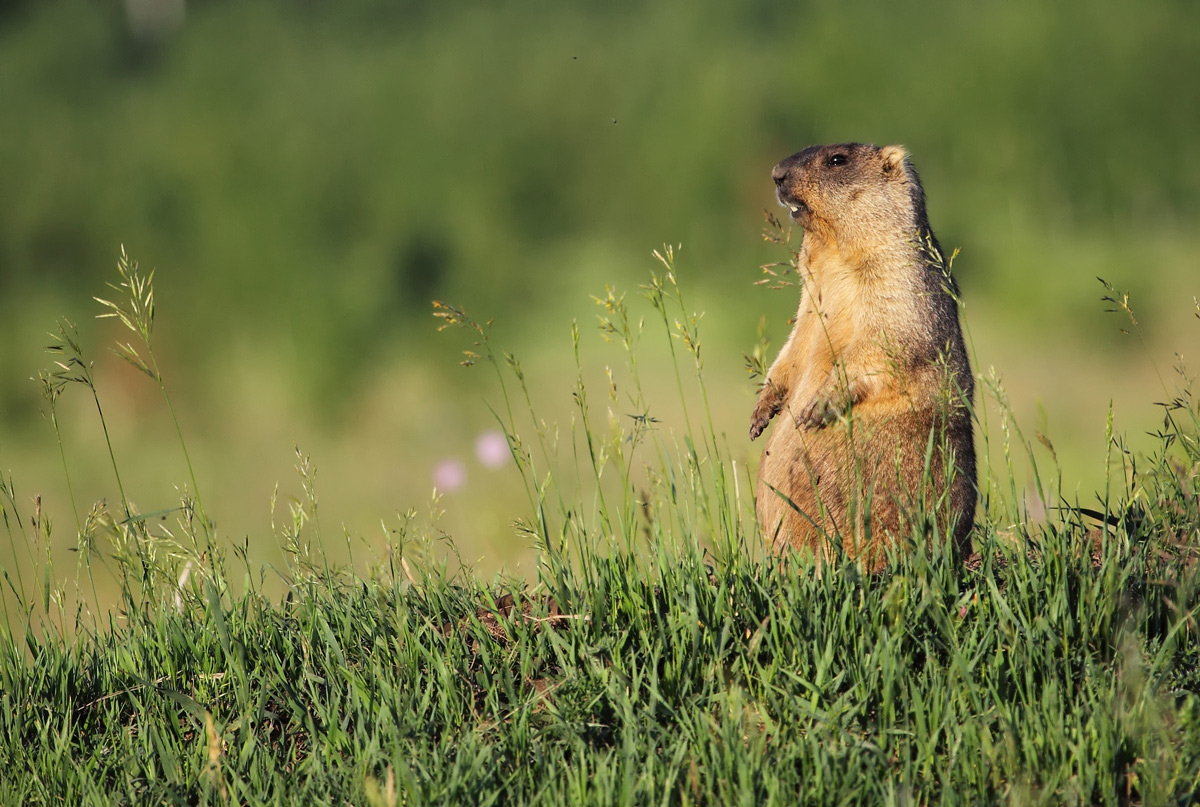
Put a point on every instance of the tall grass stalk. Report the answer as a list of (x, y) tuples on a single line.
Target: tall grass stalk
[(135, 310), (75, 369)]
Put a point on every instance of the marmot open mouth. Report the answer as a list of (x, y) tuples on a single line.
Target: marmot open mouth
[(797, 207)]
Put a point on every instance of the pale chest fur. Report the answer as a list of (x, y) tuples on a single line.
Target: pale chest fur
[(841, 314)]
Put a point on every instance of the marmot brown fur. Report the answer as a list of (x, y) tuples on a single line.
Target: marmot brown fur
[(873, 387)]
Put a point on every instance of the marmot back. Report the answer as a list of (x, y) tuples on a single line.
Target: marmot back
[(873, 386)]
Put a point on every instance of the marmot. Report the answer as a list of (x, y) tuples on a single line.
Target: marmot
[(874, 384)]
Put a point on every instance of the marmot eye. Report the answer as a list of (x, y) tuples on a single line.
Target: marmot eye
[(837, 159)]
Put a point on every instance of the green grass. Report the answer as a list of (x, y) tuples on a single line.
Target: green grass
[(654, 657)]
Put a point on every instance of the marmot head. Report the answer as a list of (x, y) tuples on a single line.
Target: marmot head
[(848, 188)]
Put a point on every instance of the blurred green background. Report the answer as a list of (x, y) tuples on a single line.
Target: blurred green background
[(307, 176)]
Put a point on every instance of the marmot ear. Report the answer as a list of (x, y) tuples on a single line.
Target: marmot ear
[(893, 158)]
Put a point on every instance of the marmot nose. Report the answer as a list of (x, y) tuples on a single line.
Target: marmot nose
[(779, 173)]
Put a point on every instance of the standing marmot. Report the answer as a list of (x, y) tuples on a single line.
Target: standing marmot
[(873, 383)]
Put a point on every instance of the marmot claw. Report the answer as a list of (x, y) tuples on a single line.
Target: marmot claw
[(763, 413), (770, 401), (819, 413)]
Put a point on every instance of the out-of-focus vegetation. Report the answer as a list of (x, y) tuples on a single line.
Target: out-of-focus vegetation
[(309, 176)]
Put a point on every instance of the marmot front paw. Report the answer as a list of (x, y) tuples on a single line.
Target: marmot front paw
[(768, 406), (819, 413), (770, 401)]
